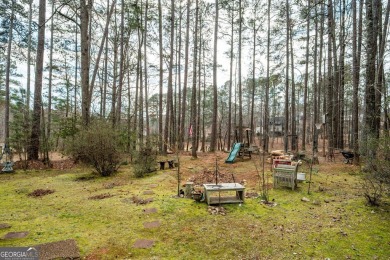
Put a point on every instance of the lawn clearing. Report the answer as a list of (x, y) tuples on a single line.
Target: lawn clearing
[(106, 219)]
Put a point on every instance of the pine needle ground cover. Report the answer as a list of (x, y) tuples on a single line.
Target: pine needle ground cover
[(106, 216)]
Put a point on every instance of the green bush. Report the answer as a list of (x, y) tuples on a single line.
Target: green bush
[(145, 162), (97, 146), (376, 179)]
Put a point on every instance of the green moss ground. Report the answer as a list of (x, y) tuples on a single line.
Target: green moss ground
[(335, 224)]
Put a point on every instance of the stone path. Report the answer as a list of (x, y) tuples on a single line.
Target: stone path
[(150, 210), (143, 243), (4, 225), (146, 243), (13, 235), (153, 224)]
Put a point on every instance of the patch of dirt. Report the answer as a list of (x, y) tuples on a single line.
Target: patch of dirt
[(269, 203), (65, 249), (40, 192), (101, 196), (251, 195), (148, 192), (39, 165), (98, 254), (111, 185), (217, 210), (208, 176), (140, 201), (86, 177)]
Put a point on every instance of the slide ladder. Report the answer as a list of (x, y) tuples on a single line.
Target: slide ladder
[(233, 153)]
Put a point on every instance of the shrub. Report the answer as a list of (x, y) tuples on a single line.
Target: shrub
[(376, 180), (97, 146), (145, 162)]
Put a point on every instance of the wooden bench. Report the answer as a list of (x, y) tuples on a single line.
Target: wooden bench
[(286, 175), (170, 164)]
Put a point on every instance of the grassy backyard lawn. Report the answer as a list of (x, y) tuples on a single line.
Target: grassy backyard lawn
[(101, 215)]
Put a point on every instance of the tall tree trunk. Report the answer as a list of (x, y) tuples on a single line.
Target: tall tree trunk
[(75, 74), (342, 77), (7, 75), (184, 101), (85, 8), (382, 30), (315, 82), (215, 87), (50, 74), (104, 96), (356, 54), (199, 81), (121, 66), (140, 106), (146, 73), (36, 117), (161, 74), (252, 112), (304, 123), (372, 130), (28, 92), (294, 136), (231, 79), (240, 122), (193, 95), (321, 67), (179, 130), (286, 99), (330, 95), (266, 101), (115, 74), (169, 109), (336, 80)]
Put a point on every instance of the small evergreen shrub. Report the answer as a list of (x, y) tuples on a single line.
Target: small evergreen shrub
[(145, 162), (97, 146)]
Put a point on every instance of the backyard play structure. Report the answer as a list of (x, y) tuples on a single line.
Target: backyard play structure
[(6, 153), (241, 148)]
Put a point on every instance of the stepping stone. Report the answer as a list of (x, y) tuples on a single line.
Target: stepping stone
[(4, 225), (12, 235), (150, 210), (153, 224), (152, 186), (64, 249), (128, 200), (148, 192), (143, 243), (148, 200)]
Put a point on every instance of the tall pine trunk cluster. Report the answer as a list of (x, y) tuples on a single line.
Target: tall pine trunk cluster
[(194, 75)]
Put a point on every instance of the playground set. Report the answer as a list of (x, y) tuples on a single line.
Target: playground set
[(242, 148), (6, 153)]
